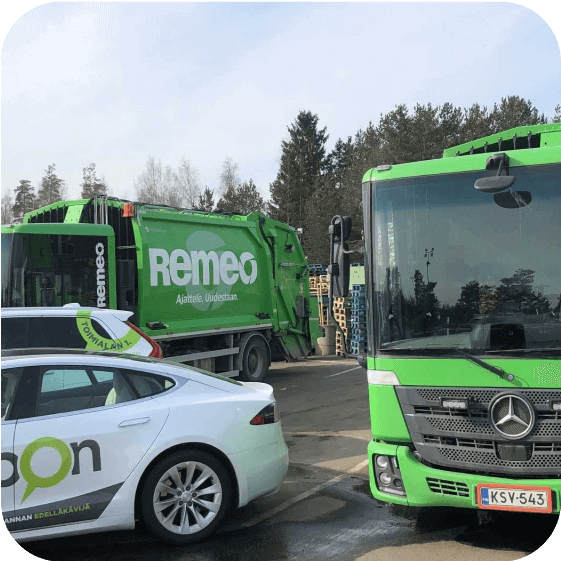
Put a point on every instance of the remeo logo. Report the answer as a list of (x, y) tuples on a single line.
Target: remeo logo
[(100, 264), (69, 458), (183, 267), (208, 273)]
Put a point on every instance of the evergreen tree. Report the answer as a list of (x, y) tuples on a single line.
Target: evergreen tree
[(332, 195), (249, 198), (92, 185), (514, 111), (302, 162), (469, 301), (241, 199), (25, 199), (206, 200), (517, 292), (51, 187), (229, 201)]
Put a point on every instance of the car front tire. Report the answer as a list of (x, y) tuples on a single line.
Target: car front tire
[(185, 496)]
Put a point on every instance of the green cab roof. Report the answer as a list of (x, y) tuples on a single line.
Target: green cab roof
[(530, 145)]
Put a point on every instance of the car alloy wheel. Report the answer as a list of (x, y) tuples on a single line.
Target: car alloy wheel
[(186, 496)]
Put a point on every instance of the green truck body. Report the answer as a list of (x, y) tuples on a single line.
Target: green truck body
[(201, 284), (463, 282)]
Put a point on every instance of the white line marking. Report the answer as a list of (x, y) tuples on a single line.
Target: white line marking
[(344, 372), (302, 496)]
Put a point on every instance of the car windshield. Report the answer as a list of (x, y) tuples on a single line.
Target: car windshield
[(456, 269)]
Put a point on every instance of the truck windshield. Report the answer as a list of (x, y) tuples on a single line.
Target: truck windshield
[(455, 270), (53, 270)]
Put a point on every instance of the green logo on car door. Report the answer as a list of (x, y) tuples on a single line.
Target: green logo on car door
[(33, 480), (69, 458)]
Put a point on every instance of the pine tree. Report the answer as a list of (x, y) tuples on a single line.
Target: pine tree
[(206, 200), (302, 162), (241, 199), (249, 198), (25, 199), (92, 185), (51, 187), (514, 111)]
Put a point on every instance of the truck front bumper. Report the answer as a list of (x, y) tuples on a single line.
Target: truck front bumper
[(428, 486)]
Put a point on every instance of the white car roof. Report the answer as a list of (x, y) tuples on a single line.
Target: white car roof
[(81, 357), (67, 310)]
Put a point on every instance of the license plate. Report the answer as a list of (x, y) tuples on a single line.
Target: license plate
[(523, 498)]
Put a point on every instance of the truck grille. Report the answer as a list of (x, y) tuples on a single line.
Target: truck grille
[(466, 440)]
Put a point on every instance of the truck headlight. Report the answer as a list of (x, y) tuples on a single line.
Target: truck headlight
[(383, 378)]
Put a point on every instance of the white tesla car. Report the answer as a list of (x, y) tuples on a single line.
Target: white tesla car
[(96, 441)]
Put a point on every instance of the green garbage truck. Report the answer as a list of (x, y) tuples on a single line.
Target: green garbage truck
[(463, 305), (224, 292)]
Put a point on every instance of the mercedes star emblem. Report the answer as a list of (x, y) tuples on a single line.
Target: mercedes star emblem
[(512, 416)]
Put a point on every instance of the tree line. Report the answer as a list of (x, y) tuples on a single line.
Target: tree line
[(312, 184), (423, 314), (51, 190), (157, 184)]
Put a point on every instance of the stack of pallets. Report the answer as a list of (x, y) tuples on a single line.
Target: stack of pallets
[(358, 319), (319, 286), (342, 314)]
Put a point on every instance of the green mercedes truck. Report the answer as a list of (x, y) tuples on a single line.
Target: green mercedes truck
[(463, 275), (224, 292)]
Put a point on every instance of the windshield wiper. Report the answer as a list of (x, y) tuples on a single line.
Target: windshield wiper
[(553, 352), (495, 370)]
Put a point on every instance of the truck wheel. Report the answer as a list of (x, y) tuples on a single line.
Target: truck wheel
[(185, 496), (255, 361)]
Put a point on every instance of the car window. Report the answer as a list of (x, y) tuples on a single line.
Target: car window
[(66, 389), (45, 331), (10, 380), (14, 333), (103, 376), (147, 384), (58, 332), (57, 379)]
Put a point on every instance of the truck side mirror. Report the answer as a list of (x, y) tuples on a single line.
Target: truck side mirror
[(340, 263)]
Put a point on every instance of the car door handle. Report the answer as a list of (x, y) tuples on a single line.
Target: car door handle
[(132, 422)]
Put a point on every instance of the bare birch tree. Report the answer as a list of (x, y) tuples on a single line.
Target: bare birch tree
[(188, 183), (7, 204)]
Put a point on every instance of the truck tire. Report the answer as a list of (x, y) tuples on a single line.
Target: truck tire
[(255, 360), (185, 496)]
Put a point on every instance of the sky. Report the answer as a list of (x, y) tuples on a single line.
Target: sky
[(116, 83)]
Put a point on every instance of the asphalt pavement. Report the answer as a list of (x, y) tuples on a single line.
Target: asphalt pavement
[(324, 509)]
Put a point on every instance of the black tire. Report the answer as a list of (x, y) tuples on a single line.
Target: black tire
[(255, 360), (178, 512)]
